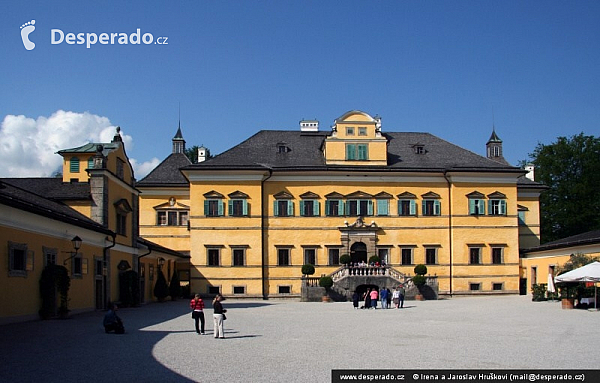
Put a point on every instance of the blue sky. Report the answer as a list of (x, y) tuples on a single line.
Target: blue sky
[(451, 68)]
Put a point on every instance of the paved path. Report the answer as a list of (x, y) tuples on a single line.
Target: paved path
[(281, 341)]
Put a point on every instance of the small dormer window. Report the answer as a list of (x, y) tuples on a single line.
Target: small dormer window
[(419, 149)]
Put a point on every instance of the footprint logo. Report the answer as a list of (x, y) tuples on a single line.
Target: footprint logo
[(26, 29)]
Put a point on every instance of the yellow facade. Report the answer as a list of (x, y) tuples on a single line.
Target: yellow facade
[(260, 253)]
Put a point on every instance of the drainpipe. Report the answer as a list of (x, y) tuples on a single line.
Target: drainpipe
[(263, 219), (105, 265), (449, 224)]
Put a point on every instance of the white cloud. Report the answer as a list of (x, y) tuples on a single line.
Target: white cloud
[(28, 146)]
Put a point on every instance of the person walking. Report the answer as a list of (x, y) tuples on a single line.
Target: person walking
[(374, 296), (218, 317), (402, 292), (383, 296), (389, 298), (197, 306), (367, 298), (355, 299), (396, 297)]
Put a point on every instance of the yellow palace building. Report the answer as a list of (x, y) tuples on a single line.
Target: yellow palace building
[(252, 216)]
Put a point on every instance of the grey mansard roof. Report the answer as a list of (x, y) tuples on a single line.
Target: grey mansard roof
[(167, 172), (305, 153)]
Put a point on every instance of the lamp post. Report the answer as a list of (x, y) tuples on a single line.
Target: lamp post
[(161, 262), (76, 241)]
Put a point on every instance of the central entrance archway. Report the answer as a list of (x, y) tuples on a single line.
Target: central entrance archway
[(358, 252)]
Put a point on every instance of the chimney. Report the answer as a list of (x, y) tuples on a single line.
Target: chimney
[(309, 126), (530, 171)]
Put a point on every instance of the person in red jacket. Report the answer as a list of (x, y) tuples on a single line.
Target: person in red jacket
[(197, 306)]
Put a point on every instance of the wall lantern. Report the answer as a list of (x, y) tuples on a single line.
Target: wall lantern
[(76, 241)]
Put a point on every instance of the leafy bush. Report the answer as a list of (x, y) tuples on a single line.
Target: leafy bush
[(175, 286), (326, 282), (374, 259), (129, 288), (308, 269), (420, 269), (419, 280), (345, 259), (161, 289), (539, 292)]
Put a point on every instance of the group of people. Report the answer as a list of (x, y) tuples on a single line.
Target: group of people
[(372, 295), (112, 322)]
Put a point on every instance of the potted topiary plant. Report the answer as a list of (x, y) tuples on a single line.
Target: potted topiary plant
[(308, 269), (419, 280), (326, 282), (345, 259), (161, 289), (175, 286), (374, 259)]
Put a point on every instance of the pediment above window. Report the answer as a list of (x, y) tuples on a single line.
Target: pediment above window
[(359, 194), (476, 195), (213, 194), (238, 195), (430, 195), (406, 195), (167, 205), (283, 195), (309, 195), (123, 206), (334, 195), (497, 195), (383, 195)]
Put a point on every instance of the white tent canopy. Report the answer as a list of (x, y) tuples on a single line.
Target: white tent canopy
[(587, 273)]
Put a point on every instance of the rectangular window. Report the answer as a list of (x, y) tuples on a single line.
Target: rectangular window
[(407, 256), (238, 208), (213, 257), (239, 290), (359, 207), (431, 256), (77, 265), (283, 208), (334, 257), (497, 286), (239, 257), (383, 207), (476, 206), (214, 290), (474, 286), (407, 207), (310, 256), (497, 255), (172, 218), (90, 164), (384, 256), (431, 207), (49, 256), (283, 257), (121, 224), (74, 165), (475, 256), (17, 253), (213, 208), (521, 215), (161, 218), (334, 208), (284, 289), (497, 207), (350, 131), (309, 208), (362, 131), (183, 218)]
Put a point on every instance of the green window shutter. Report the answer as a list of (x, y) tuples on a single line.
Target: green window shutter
[(382, 206), (399, 207), (230, 208), (472, 204), (301, 207), (327, 207), (290, 206), (482, 207), (369, 207), (221, 206), (502, 207), (245, 207), (275, 208), (490, 211), (362, 152), (74, 165), (91, 163), (316, 208), (350, 151), (206, 207), (437, 208), (341, 208), (413, 207), (424, 207)]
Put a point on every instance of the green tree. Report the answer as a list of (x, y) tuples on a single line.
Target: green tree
[(192, 153), (570, 167), (161, 289), (576, 261)]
